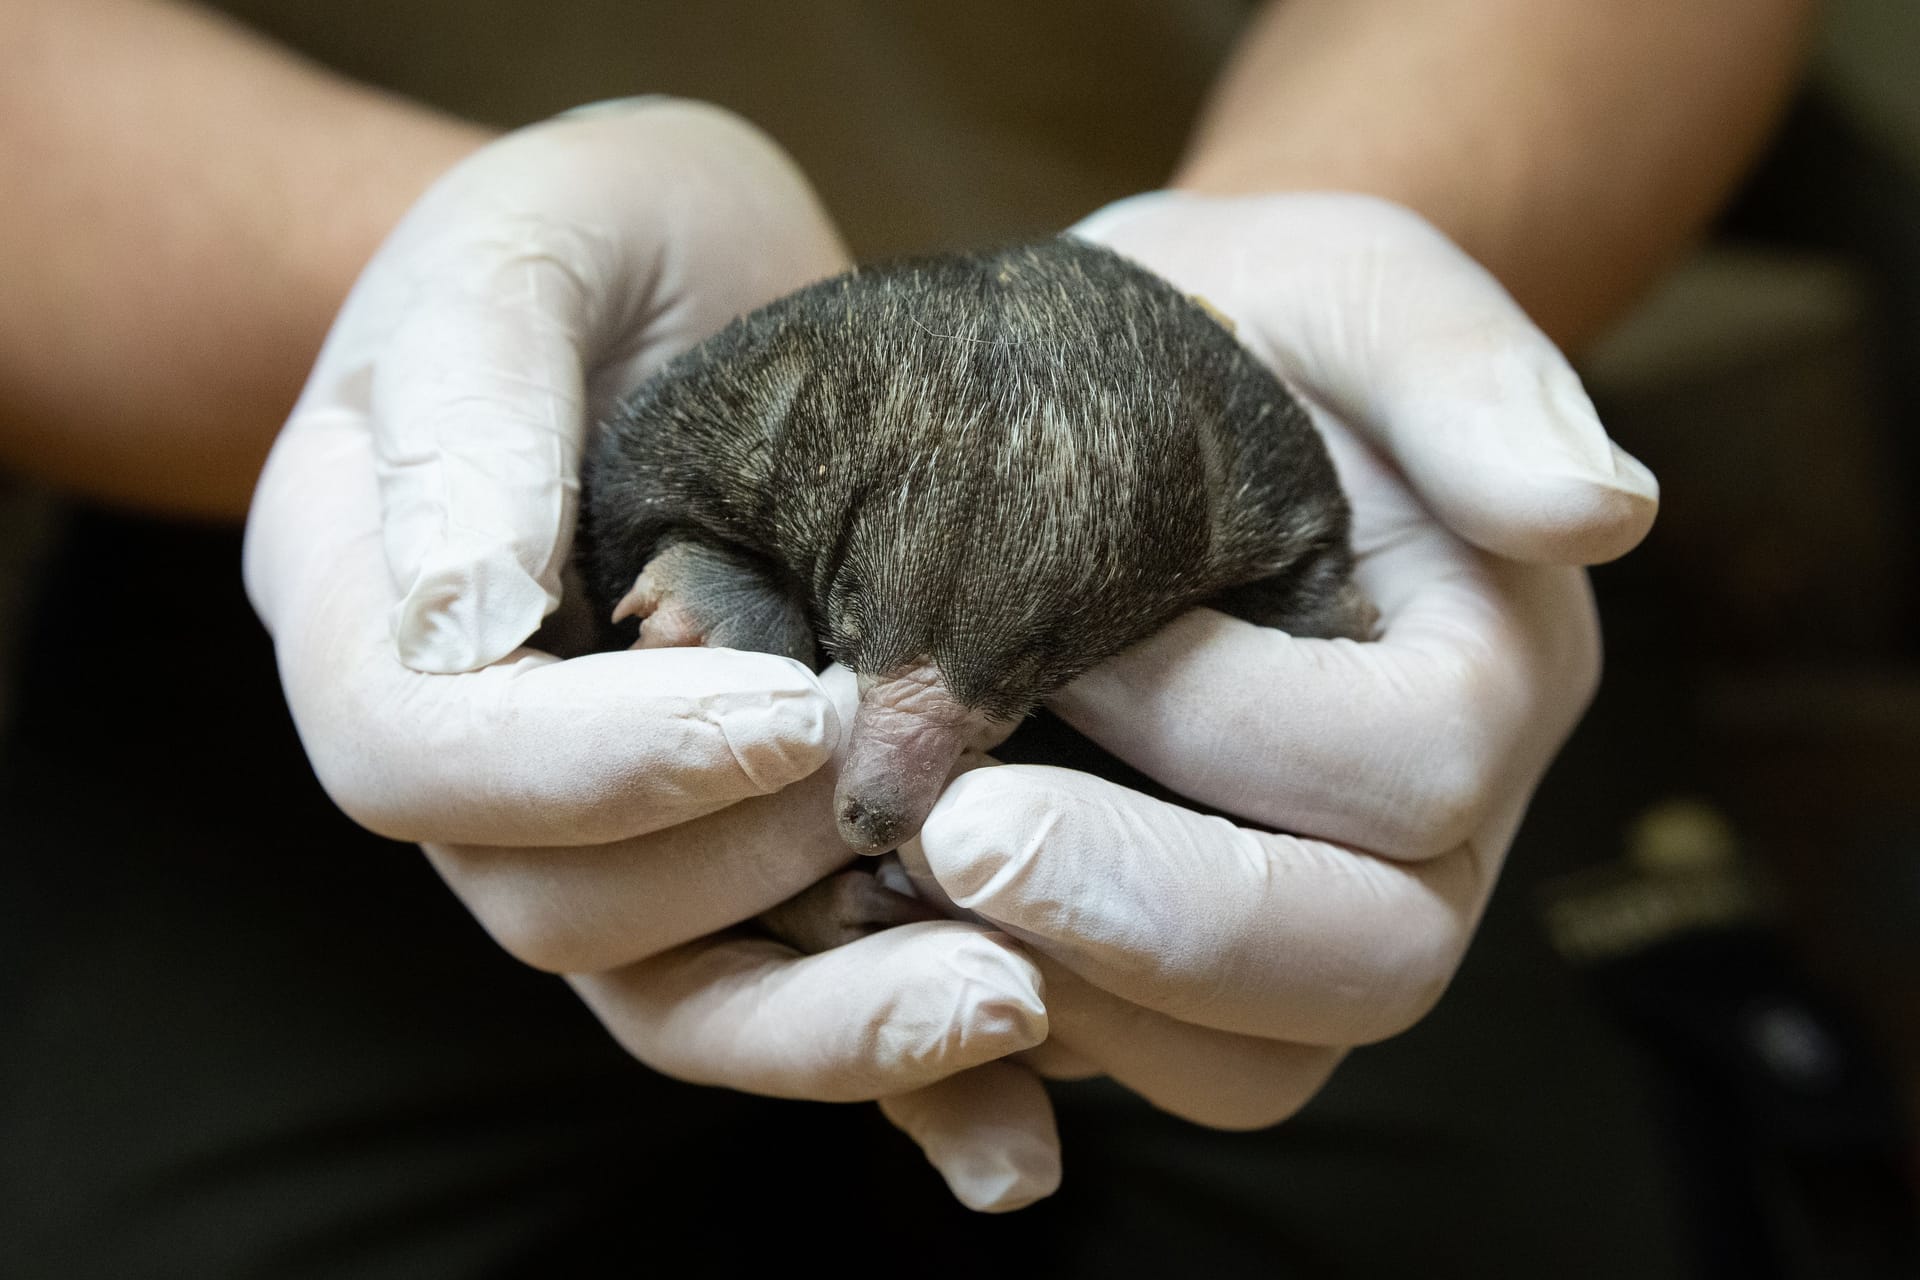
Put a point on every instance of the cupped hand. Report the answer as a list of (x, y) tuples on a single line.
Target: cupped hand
[(610, 816), (1221, 966)]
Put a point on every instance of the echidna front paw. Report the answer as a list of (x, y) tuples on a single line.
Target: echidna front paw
[(667, 618), (694, 593), (843, 908)]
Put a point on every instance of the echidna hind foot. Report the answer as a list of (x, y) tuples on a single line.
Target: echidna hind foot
[(696, 593)]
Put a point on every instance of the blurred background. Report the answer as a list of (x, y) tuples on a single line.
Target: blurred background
[(1725, 864), (1740, 817)]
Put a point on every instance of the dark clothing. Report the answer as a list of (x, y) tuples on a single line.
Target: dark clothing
[(238, 1036)]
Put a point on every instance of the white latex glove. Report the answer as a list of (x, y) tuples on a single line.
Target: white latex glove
[(605, 816), (1221, 970)]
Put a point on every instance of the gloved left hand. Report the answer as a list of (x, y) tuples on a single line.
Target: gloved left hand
[(607, 817)]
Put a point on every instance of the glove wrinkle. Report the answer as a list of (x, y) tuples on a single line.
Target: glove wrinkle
[(767, 762)]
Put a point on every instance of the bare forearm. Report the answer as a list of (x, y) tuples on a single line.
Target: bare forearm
[(1572, 147), (190, 207)]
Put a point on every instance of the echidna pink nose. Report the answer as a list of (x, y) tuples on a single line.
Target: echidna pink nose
[(879, 820), (906, 737)]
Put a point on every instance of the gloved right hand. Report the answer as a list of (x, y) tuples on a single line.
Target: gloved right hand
[(610, 816)]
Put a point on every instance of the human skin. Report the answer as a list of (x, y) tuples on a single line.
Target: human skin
[(201, 200), (199, 203), (1573, 149)]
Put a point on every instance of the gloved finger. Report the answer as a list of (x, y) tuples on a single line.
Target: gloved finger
[(1478, 664), (1208, 923), (989, 1131), (595, 907), (1376, 314), (1429, 735), (531, 750), (1214, 1078), (598, 907), (538, 279), (895, 1011)]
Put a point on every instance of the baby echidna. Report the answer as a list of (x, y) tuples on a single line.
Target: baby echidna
[(969, 478)]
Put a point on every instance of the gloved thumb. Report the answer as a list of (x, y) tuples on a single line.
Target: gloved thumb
[(531, 286), (990, 1133), (1374, 314)]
